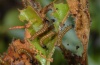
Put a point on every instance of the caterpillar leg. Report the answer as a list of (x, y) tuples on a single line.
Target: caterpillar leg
[(62, 33), (50, 34), (42, 30)]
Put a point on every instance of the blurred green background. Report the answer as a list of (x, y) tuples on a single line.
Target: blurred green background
[(9, 18)]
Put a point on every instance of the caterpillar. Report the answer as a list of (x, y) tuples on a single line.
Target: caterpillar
[(28, 54), (46, 9), (20, 51), (62, 33), (30, 2), (50, 34), (17, 27), (42, 30), (20, 27), (65, 30)]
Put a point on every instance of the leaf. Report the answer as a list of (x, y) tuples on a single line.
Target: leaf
[(41, 52), (82, 23), (60, 13), (29, 14)]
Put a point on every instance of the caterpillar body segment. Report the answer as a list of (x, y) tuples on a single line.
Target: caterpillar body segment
[(42, 30), (26, 52), (62, 33), (50, 34)]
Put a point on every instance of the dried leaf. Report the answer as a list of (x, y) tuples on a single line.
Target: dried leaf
[(80, 12)]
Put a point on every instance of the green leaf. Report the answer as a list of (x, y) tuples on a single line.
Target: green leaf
[(61, 11), (41, 59), (29, 14)]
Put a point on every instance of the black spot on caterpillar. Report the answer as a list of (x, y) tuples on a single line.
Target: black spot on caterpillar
[(50, 34), (42, 30), (62, 33)]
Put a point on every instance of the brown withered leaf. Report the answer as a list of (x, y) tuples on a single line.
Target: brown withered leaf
[(14, 58), (72, 59), (79, 10)]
